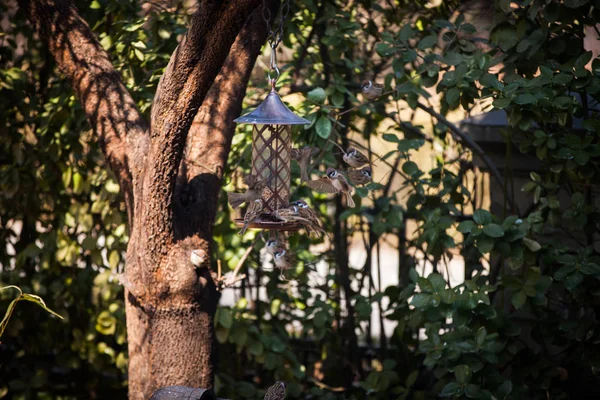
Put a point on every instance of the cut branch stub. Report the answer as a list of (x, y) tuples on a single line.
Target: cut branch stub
[(271, 153)]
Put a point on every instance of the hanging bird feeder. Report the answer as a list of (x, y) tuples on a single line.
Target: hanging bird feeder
[(271, 151)]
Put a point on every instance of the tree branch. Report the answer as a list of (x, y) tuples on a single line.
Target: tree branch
[(109, 107), (472, 145), (181, 91), (209, 139)]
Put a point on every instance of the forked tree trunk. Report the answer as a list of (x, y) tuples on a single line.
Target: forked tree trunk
[(171, 200)]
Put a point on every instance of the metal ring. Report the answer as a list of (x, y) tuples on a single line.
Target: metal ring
[(269, 74)]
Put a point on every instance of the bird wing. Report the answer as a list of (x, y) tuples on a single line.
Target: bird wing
[(322, 185)]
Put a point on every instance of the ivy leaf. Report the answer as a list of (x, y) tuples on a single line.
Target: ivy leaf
[(323, 127)]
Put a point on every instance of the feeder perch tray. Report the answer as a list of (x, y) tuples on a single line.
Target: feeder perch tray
[(268, 222)]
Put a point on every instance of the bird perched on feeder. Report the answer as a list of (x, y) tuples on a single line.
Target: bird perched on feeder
[(290, 213), (303, 156), (310, 215), (254, 191), (371, 90), (333, 182), (360, 176), (252, 212), (275, 392)]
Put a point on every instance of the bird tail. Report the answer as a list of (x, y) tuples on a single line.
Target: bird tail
[(235, 199), (349, 199), (304, 176), (243, 230)]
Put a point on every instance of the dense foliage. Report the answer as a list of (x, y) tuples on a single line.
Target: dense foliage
[(523, 324)]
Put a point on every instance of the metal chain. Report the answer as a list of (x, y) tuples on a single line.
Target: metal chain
[(274, 36)]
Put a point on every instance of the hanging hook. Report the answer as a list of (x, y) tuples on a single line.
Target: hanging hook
[(273, 65)]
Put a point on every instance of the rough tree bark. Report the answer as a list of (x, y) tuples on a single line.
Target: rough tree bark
[(171, 200)]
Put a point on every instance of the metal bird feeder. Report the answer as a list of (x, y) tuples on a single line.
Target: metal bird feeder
[(271, 155), (272, 139)]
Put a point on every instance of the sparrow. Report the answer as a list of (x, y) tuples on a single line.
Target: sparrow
[(355, 158), (284, 260), (360, 176), (273, 245), (254, 191), (303, 156), (352, 157), (333, 182), (290, 213), (310, 215), (275, 392), (255, 181), (252, 212), (371, 90)]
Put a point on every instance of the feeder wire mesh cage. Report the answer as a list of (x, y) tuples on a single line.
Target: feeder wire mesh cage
[(271, 154)]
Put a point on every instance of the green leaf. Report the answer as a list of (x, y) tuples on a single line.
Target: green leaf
[(410, 168), (453, 58), (323, 127), (95, 5), (485, 244), (420, 300), (452, 96), (532, 245), (480, 336), (463, 374), (466, 226), (139, 54), (450, 389), (524, 99), (482, 217), (518, 299), (573, 280), (405, 33), (317, 95), (501, 103), (493, 230), (388, 137), (472, 391), (437, 281), (225, 318), (256, 348), (412, 378), (410, 144), (590, 269), (427, 42)]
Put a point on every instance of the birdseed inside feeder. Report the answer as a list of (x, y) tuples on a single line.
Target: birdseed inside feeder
[(271, 155)]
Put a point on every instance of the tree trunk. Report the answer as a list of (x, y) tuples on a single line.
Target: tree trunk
[(170, 199)]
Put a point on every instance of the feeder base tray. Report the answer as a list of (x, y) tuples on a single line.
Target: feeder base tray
[(267, 222)]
